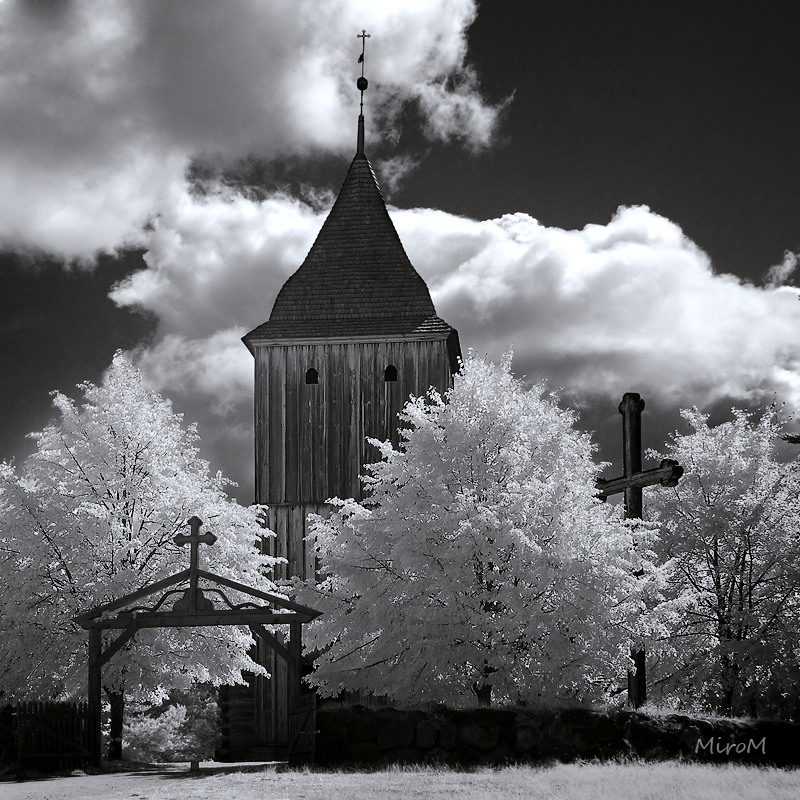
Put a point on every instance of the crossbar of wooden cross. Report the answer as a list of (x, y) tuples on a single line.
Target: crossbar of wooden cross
[(631, 482), (633, 478), (667, 473)]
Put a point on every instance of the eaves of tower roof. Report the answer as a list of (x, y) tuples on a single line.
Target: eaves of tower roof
[(356, 280)]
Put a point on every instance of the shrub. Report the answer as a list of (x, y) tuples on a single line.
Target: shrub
[(185, 728)]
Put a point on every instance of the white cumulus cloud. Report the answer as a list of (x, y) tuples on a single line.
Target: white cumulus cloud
[(210, 380), (632, 303), (218, 261), (105, 104), (629, 305)]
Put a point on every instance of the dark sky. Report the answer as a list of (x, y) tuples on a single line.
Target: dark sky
[(58, 328), (690, 109)]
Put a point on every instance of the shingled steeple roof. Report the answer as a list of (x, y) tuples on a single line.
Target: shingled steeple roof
[(357, 279)]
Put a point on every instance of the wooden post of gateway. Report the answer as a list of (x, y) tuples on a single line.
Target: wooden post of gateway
[(94, 696)]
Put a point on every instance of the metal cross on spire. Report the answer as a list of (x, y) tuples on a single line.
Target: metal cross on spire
[(362, 82)]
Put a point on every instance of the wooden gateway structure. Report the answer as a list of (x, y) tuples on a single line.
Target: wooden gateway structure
[(352, 333), (190, 606)]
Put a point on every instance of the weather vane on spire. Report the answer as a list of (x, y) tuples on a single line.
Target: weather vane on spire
[(362, 82)]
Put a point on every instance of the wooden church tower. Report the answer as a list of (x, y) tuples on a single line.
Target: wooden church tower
[(352, 333)]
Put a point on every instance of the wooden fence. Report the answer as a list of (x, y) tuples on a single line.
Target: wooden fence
[(48, 737)]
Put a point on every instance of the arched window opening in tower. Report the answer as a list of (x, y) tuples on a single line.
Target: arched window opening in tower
[(312, 376), (391, 373)]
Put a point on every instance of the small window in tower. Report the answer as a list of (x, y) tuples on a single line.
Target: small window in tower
[(391, 373), (311, 376)]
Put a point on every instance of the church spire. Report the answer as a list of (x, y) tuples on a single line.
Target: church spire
[(356, 280), (361, 84)]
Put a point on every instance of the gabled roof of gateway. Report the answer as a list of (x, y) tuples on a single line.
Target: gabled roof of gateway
[(357, 279)]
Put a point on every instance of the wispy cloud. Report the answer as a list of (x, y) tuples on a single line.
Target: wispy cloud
[(779, 274)]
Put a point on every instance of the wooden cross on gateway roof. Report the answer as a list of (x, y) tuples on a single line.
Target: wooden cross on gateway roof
[(195, 537), (194, 540)]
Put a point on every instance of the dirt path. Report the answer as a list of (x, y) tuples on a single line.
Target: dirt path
[(163, 780)]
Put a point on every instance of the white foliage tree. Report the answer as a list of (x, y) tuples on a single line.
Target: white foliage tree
[(731, 528), (90, 518), (482, 562)]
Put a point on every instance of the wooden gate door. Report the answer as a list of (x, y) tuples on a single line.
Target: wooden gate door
[(303, 728)]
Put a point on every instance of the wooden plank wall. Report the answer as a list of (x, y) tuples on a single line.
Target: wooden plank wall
[(311, 438), (290, 524), (238, 710), (271, 695)]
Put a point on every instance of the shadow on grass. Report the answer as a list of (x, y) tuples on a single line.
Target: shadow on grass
[(138, 769), (184, 769)]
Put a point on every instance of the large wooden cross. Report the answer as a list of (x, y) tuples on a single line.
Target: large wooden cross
[(631, 482)]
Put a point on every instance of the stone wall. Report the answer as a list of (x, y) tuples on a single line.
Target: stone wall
[(358, 736)]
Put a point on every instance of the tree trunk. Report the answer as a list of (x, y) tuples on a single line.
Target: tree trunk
[(730, 673), (484, 694), (637, 680), (117, 700)]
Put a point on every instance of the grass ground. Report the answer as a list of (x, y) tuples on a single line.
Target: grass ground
[(662, 781)]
